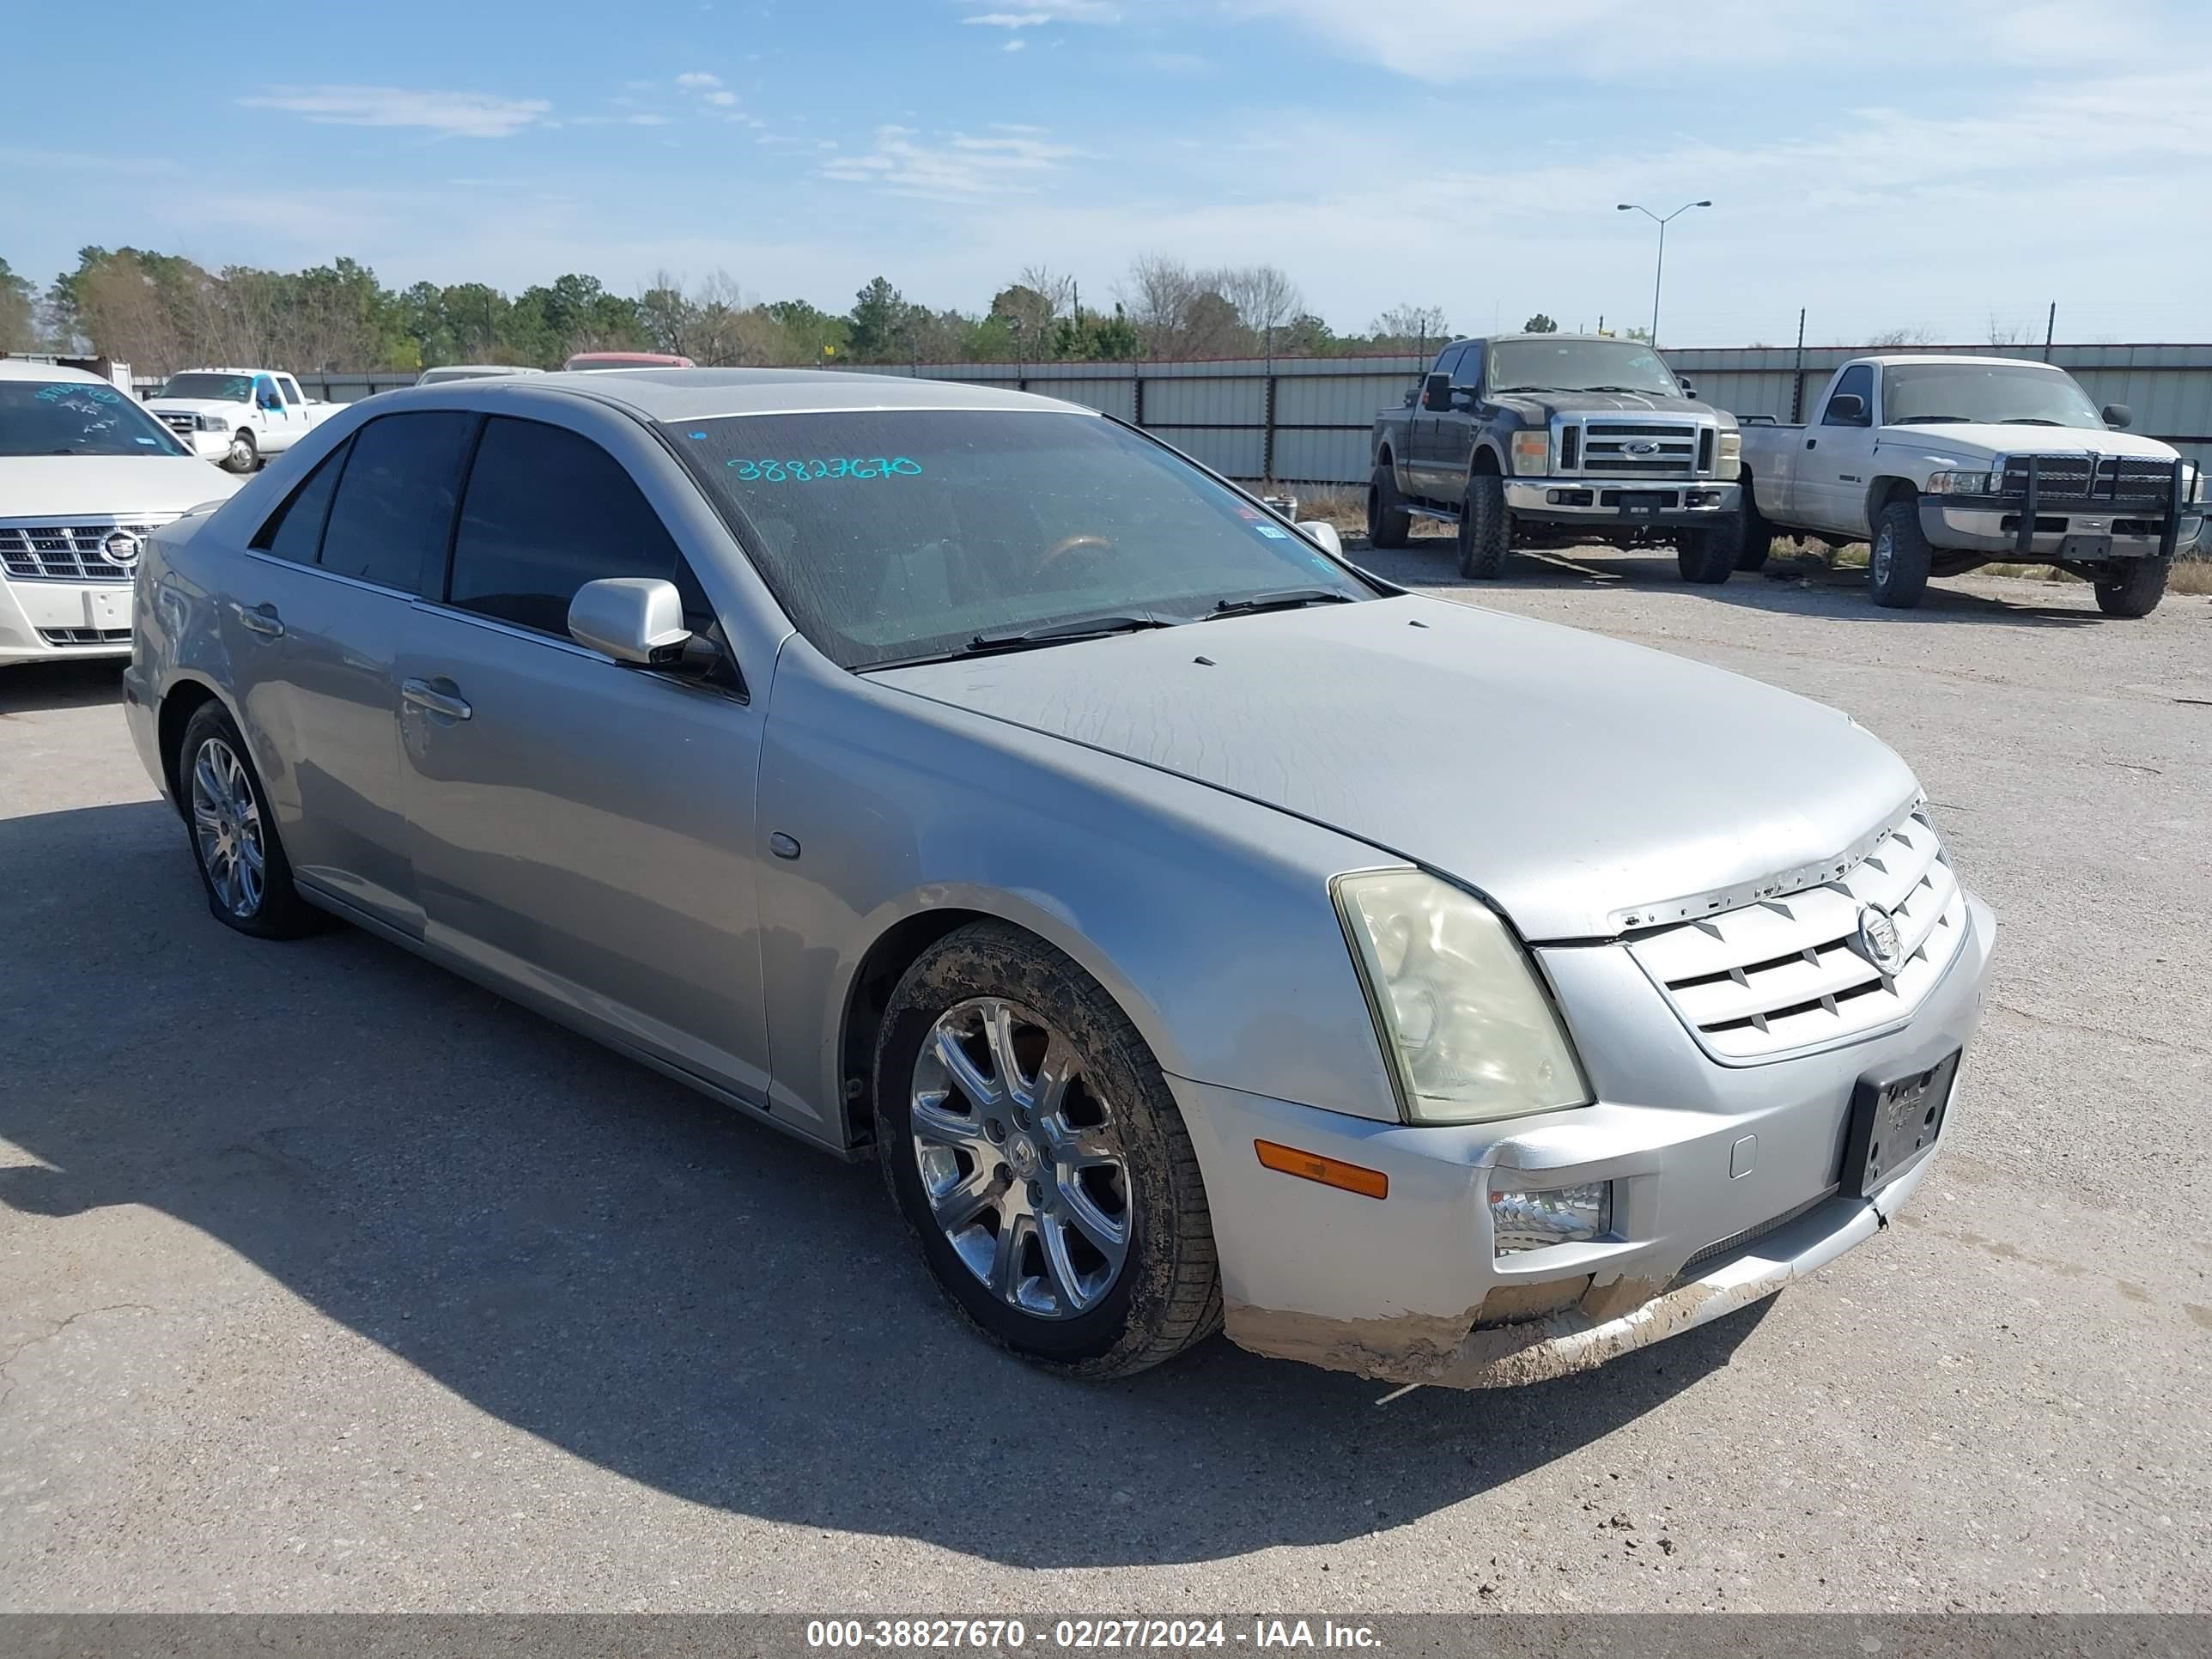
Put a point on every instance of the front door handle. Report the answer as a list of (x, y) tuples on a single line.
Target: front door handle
[(261, 619), (424, 696)]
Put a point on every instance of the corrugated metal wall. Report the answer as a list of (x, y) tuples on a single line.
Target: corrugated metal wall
[(1307, 420)]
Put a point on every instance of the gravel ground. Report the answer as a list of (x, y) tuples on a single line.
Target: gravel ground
[(329, 1282)]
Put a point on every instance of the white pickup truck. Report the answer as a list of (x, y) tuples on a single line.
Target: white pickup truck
[(1944, 464), (238, 416)]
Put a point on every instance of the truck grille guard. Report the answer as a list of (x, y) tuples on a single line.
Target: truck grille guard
[(2089, 480)]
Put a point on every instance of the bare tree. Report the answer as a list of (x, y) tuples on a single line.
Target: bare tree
[(1410, 324), (1056, 288), (1890, 338), (122, 315), (1158, 294), (2009, 334), (1265, 297)]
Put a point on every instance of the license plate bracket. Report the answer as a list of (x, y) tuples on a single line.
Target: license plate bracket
[(107, 608), (1644, 501), (1895, 1122), (2085, 547)]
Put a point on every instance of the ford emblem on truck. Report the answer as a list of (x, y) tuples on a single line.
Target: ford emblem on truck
[(1640, 446)]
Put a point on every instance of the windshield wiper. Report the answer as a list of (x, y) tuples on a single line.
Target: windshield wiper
[(1500, 390), (1284, 599), (1928, 420), (1634, 391), (2029, 419), (1060, 633)]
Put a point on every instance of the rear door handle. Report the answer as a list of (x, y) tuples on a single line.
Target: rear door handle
[(261, 619), (424, 696)]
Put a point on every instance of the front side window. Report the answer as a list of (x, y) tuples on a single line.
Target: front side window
[(1856, 382), (548, 510), (78, 417), (394, 507), (222, 388), (891, 536)]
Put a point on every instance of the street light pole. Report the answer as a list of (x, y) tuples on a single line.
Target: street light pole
[(1659, 272)]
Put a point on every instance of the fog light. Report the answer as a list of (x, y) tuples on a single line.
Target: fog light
[(1565, 1215)]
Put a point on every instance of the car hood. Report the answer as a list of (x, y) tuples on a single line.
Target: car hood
[(1963, 439), (198, 406), (1580, 782), (55, 486), (1540, 407)]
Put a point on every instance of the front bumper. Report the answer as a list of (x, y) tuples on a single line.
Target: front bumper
[(1408, 1289), (1598, 502), (57, 621), (1993, 527)]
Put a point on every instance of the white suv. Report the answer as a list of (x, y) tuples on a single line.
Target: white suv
[(85, 474)]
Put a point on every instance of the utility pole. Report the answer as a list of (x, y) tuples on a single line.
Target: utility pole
[(1659, 272)]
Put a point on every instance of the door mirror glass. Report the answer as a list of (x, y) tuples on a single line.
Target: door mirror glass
[(1323, 534), (638, 620), (1688, 391), (1846, 409), (2118, 416), (1436, 392)]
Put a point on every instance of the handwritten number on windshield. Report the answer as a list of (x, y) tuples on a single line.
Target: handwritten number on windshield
[(844, 466)]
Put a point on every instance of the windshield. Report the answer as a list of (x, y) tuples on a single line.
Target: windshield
[(2001, 393), (1575, 365), (229, 388), (78, 417), (889, 536)]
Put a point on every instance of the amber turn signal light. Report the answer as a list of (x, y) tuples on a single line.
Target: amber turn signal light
[(1329, 1171)]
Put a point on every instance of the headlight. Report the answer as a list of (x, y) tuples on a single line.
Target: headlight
[(1532, 453), (212, 422), (1731, 448), (1470, 1032), (1965, 483)]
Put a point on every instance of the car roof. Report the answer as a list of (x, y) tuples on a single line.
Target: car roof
[(13, 370), (1954, 357), (700, 394)]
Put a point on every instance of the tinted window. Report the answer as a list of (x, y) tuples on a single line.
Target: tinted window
[(295, 531), (394, 508), (1448, 362), (547, 511), (1857, 382)]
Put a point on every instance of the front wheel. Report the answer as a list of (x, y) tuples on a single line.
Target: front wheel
[(1486, 528), (244, 454), (1709, 554), (1899, 561), (1388, 524), (1029, 1139), (2133, 589)]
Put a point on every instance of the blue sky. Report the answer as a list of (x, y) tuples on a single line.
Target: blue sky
[(1942, 168)]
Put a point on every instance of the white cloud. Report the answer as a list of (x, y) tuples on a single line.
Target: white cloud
[(458, 114), (1037, 13), (961, 168), (1014, 45), (639, 120), (698, 79), (722, 100)]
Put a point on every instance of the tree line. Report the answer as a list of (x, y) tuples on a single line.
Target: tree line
[(161, 312)]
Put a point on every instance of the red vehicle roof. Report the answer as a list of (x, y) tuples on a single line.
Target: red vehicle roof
[(627, 360)]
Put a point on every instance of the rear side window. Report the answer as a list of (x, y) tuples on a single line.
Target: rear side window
[(393, 512), (295, 531), (547, 511)]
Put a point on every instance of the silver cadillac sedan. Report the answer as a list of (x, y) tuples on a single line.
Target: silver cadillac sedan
[(1200, 933)]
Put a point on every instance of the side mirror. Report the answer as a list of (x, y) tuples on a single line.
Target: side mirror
[(1436, 392), (637, 619), (1410, 396), (1322, 535), (2118, 416), (1688, 391), (1847, 406)]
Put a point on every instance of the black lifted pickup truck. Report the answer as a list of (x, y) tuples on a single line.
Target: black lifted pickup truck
[(1547, 440)]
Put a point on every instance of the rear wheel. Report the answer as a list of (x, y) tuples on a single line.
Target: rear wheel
[(2134, 589), (1897, 564), (1388, 524), (241, 862), (1486, 528), (1029, 1140)]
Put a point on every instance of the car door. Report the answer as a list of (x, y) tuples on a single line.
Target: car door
[(1426, 465), (271, 419), (582, 830), (1835, 458), (1456, 432), (311, 627)]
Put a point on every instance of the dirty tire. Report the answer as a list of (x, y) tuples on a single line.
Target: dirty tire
[(1486, 528), (1707, 556), (1388, 524), (2140, 585), (244, 454), (281, 913), (1899, 562), (1758, 543), (1168, 1295)]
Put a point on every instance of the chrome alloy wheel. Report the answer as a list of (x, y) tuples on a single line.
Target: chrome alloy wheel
[(1021, 1162), (1882, 559), (226, 825)]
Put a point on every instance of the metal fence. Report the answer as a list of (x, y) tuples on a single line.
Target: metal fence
[(1307, 420)]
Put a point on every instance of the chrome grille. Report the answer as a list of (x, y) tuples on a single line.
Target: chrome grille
[(1619, 447), (1786, 974), (67, 552), (177, 422)]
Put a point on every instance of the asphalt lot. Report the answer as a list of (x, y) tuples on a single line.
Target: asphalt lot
[(329, 1282)]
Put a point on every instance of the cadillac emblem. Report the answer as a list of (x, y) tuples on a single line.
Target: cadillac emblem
[(1879, 941)]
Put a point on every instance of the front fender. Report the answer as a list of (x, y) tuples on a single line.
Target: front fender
[(1207, 918)]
